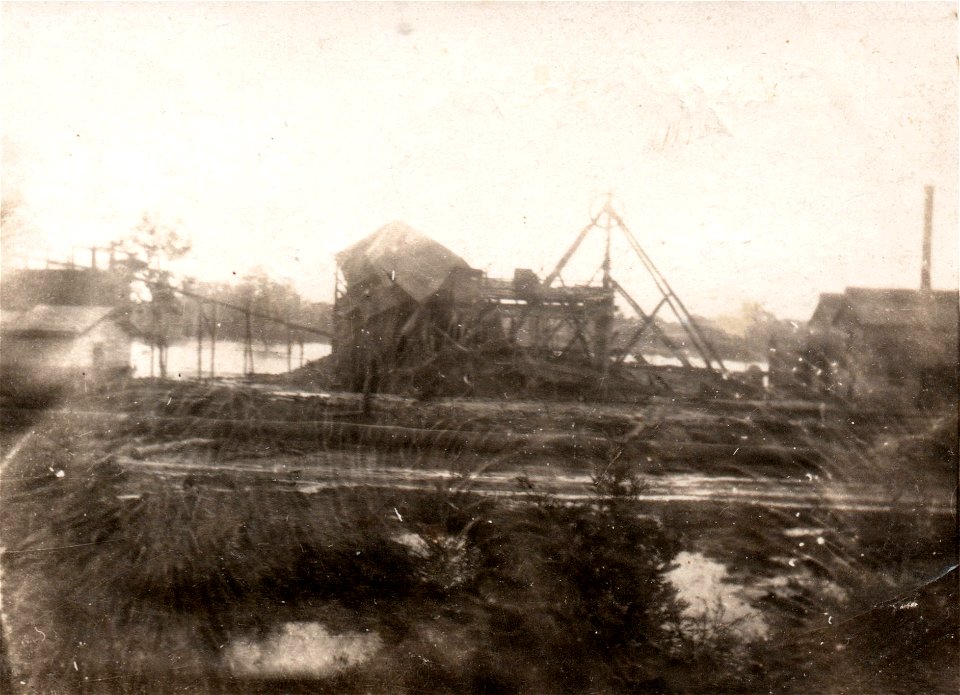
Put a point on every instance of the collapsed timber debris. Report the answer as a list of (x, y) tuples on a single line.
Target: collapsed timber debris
[(411, 316)]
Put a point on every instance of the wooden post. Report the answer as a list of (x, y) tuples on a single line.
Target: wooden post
[(159, 337), (162, 357), (213, 339), (247, 344), (289, 350), (199, 340)]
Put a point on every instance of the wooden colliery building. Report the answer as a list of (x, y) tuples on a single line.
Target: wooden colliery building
[(412, 315), (400, 297), (893, 347)]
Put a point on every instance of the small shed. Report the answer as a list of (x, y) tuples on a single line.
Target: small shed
[(53, 345)]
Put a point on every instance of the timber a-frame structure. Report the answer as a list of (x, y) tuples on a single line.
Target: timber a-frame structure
[(410, 315), (610, 351)]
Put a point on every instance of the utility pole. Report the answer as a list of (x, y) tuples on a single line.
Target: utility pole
[(289, 347)]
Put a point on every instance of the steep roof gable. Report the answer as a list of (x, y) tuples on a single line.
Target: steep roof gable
[(413, 261), (827, 308)]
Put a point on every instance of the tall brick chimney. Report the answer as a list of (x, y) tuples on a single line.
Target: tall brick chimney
[(927, 235)]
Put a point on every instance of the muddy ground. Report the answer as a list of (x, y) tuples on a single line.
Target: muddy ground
[(178, 538)]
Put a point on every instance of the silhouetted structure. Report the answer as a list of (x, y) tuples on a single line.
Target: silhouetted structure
[(63, 326), (411, 315), (884, 346)]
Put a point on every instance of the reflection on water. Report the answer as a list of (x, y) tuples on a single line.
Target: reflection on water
[(228, 358), (272, 358), (300, 649), (695, 361), (713, 602)]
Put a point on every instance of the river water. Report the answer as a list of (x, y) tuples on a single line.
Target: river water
[(228, 358), (670, 361), (271, 358)]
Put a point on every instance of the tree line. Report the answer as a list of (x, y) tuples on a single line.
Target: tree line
[(166, 311), (262, 296)]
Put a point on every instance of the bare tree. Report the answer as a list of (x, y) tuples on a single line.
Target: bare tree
[(146, 252)]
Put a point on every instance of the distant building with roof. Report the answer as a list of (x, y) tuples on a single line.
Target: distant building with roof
[(895, 346), (56, 345), (62, 326)]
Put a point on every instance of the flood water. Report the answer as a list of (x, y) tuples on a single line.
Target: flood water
[(300, 649), (713, 601), (270, 358), (695, 361)]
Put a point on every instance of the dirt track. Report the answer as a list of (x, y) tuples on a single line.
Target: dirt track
[(782, 455), (331, 470)]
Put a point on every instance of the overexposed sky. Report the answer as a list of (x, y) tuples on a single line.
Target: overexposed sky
[(761, 152)]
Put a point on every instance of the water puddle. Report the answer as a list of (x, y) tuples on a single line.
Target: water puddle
[(800, 532), (298, 650), (444, 560), (715, 606), (299, 394)]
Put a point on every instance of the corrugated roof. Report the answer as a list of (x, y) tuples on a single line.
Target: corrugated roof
[(415, 262), (62, 320)]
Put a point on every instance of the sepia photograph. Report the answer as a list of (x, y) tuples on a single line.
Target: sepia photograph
[(479, 348)]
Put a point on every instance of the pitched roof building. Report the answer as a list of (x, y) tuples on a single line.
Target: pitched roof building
[(412, 315), (887, 345), (397, 302), (48, 346), (936, 310)]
